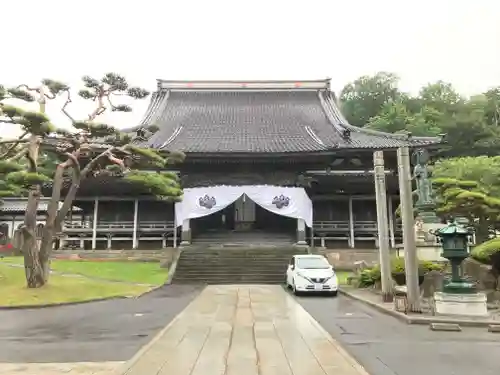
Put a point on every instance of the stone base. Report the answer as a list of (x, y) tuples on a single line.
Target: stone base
[(461, 304)]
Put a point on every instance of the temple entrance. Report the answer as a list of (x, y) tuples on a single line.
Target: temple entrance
[(244, 215)]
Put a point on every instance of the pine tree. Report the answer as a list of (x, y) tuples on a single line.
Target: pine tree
[(44, 155)]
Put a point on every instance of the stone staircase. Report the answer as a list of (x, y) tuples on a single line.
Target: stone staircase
[(266, 265), (254, 238)]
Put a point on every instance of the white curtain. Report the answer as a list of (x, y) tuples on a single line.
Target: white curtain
[(204, 201), (286, 201)]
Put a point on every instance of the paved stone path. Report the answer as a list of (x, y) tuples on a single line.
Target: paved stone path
[(243, 330), (386, 346), (82, 368)]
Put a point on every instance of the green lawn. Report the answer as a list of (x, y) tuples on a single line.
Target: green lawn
[(13, 291), (342, 276), (129, 271)]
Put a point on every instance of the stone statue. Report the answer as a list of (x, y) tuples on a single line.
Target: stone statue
[(425, 204), (421, 175)]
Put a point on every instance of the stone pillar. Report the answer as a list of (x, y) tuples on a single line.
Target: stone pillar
[(186, 233), (94, 224), (301, 232), (410, 249), (382, 225)]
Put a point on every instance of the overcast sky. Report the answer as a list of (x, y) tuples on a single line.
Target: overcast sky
[(422, 41)]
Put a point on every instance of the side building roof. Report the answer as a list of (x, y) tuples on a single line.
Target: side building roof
[(258, 117)]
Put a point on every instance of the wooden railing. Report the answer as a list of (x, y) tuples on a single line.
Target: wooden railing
[(343, 226), (119, 225)]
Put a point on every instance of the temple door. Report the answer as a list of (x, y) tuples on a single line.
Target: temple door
[(244, 213)]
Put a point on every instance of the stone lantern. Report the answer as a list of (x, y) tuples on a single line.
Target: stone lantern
[(454, 240), (458, 297)]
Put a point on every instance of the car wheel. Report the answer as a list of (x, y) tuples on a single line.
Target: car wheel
[(334, 294), (294, 289)]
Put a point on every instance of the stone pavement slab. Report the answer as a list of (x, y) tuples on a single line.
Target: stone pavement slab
[(243, 330), (80, 368)]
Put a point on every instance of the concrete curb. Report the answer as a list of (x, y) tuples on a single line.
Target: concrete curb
[(153, 289), (173, 266), (425, 320), (46, 306), (124, 369), (404, 318)]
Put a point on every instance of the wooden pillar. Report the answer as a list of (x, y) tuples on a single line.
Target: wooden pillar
[(94, 224), (410, 249), (135, 243), (301, 232), (390, 208), (382, 225), (351, 224), (186, 233), (175, 231)]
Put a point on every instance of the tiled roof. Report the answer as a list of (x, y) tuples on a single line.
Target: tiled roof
[(257, 119), (19, 205)]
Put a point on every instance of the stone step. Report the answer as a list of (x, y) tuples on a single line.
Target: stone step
[(247, 264), (239, 280), (260, 265), (236, 258), (232, 271), (236, 252)]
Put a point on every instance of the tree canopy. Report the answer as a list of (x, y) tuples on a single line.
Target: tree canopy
[(471, 124), (469, 187)]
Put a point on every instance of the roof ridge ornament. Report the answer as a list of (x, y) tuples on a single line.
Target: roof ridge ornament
[(321, 84)]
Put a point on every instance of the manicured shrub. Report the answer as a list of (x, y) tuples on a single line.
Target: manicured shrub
[(483, 253), (370, 276)]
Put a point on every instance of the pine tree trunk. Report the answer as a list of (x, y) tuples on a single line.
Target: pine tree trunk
[(482, 231), (33, 268)]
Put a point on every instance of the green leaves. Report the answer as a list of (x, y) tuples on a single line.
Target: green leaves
[(95, 129), (163, 185), (55, 87), (147, 153), (8, 167), (36, 123), (137, 92), (21, 94), (115, 82), (86, 94), (483, 252), (26, 179), (121, 108), (11, 111), (90, 82)]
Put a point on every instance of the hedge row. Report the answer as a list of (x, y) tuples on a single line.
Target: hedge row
[(370, 276)]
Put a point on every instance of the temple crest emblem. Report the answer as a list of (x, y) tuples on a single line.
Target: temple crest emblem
[(207, 201), (281, 201)]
